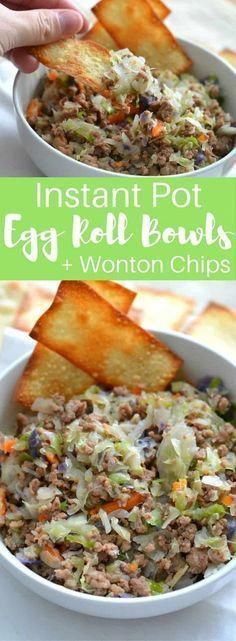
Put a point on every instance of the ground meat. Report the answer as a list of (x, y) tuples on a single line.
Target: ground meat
[(140, 586), (163, 110), (126, 411), (73, 410), (197, 560), (98, 580), (106, 550), (120, 391)]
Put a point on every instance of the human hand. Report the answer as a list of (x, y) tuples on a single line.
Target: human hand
[(24, 23)]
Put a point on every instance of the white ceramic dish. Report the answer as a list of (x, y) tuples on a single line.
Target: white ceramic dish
[(199, 361), (54, 163)]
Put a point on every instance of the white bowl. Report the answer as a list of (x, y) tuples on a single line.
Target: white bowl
[(54, 163), (199, 361)]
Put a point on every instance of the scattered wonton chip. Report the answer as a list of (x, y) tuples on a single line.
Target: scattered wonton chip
[(93, 335), (33, 305), (216, 328), (88, 61), (159, 9), (48, 373), (229, 56), (155, 309), (99, 34), (11, 295), (133, 24)]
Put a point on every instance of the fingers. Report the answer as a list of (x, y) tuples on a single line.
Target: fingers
[(39, 26), (23, 60)]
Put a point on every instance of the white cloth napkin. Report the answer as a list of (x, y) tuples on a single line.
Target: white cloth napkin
[(211, 620)]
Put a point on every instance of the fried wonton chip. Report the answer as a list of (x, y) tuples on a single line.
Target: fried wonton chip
[(155, 309), (48, 373), (216, 327), (33, 305), (159, 8), (117, 295), (229, 56), (99, 34), (133, 24), (88, 61), (93, 335)]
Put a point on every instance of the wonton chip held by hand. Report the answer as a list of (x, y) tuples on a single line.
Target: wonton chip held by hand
[(87, 61), (93, 335), (159, 8), (133, 24), (48, 373), (99, 34), (216, 328), (155, 309)]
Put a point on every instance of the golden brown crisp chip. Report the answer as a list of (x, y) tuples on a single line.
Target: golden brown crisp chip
[(117, 295), (229, 56), (159, 9), (33, 305), (157, 309), (48, 373), (135, 25), (99, 34), (82, 59), (93, 335), (216, 328)]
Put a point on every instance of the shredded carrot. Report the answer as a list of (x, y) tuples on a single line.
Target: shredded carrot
[(3, 503), (157, 130), (132, 567), (9, 445), (119, 163), (53, 551), (52, 458), (135, 499), (136, 390), (52, 74), (227, 500), (34, 108), (43, 516), (119, 116), (181, 484), (202, 138), (106, 93)]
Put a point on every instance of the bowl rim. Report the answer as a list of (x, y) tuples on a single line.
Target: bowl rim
[(75, 596), (107, 173)]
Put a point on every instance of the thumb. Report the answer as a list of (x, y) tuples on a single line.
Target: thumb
[(27, 28)]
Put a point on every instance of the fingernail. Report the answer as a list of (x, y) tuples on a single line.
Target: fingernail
[(70, 21)]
